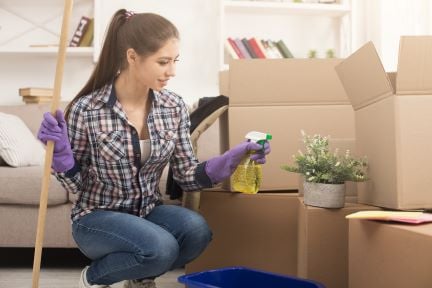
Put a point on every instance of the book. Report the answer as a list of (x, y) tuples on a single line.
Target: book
[(248, 48), (232, 49), (34, 92), (263, 49), (395, 216), (87, 38), (274, 49), (37, 99), (286, 53), (253, 43), (267, 48), (82, 27), (242, 48)]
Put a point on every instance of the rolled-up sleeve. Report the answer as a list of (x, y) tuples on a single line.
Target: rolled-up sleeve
[(187, 171), (72, 179)]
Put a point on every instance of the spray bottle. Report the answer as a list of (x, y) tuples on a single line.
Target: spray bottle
[(247, 177)]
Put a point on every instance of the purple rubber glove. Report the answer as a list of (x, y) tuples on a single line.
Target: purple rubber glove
[(55, 129), (221, 167)]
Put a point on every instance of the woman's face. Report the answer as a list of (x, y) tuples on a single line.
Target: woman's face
[(155, 70)]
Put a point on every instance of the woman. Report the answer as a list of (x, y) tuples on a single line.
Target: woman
[(122, 129)]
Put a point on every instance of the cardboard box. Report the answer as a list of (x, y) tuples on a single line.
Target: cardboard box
[(283, 97), (389, 255), (285, 123), (393, 123), (281, 82), (224, 82), (323, 243), (257, 231)]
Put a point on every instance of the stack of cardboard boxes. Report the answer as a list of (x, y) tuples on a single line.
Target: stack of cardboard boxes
[(276, 232), (262, 231), (394, 129), (391, 124)]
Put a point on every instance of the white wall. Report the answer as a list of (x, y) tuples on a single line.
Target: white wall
[(384, 21)]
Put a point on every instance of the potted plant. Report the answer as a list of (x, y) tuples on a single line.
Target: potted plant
[(325, 172)]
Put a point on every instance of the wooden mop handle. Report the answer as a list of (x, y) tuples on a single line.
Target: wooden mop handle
[(50, 145)]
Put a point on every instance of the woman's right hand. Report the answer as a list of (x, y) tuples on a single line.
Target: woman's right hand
[(221, 167), (55, 129)]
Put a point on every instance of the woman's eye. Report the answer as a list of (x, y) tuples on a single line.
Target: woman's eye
[(166, 62)]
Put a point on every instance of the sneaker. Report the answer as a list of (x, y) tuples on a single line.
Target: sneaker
[(146, 283), (83, 281)]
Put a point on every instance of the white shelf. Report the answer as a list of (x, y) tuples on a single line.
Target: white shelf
[(48, 51), (302, 26), (332, 10)]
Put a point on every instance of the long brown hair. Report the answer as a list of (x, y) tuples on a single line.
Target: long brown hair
[(146, 33)]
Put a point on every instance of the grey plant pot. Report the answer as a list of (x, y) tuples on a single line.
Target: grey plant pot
[(324, 195)]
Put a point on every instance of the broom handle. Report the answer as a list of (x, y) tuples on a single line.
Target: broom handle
[(50, 145)]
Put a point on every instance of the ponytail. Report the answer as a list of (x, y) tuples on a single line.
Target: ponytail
[(109, 59)]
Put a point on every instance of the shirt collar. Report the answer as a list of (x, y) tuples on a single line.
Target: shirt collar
[(107, 96)]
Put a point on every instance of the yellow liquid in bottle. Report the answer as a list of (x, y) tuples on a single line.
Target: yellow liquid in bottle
[(247, 177)]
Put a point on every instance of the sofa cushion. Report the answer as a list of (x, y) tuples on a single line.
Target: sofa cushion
[(31, 114), (23, 186), (18, 146)]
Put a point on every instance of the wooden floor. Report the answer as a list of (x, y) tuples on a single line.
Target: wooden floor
[(67, 278), (60, 269)]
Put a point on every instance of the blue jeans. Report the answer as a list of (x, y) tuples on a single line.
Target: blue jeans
[(125, 247)]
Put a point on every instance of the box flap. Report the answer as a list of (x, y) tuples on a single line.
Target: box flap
[(392, 78), (415, 65), (363, 77), (258, 82)]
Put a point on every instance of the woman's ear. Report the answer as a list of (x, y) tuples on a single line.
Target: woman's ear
[(131, 56)]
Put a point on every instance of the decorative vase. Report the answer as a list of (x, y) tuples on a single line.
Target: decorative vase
[(324, 195)]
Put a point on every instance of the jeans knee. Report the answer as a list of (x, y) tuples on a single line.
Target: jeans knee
[(161, 257), (196, 235), (199, 230)]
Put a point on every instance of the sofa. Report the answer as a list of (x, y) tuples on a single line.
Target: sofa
[(20, 190)]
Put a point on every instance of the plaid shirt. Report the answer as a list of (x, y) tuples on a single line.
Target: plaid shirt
[(108, 173)]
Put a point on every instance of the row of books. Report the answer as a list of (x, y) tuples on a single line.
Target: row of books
[(256, 48), (83, 35), (31, 95)]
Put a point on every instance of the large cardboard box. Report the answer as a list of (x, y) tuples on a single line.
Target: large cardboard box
[(393, 123), (389, 255), (257, 231), (323, 243), (283, 97)]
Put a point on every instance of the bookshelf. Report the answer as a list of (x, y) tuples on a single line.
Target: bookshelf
[(29, 39), (26, 23), (302, 26)]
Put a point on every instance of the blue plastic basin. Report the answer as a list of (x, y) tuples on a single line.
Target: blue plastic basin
[(242, 277)]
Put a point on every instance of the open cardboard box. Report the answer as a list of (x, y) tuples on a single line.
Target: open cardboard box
[(282, 97), (393, 123)]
